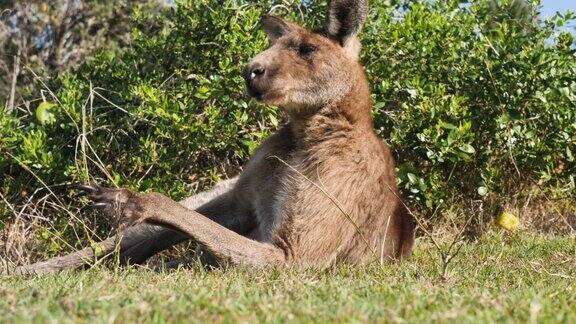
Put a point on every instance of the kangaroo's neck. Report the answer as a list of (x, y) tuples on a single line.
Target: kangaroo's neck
[(351, 113)]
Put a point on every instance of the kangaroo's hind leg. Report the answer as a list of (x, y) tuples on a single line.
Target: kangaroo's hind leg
[(137, 243), (223, 244)]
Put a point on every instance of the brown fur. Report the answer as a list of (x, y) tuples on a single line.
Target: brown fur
[(321, 190)]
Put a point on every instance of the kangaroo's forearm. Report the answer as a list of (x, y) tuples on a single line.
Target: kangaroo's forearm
[(220, 242), (196, 201)]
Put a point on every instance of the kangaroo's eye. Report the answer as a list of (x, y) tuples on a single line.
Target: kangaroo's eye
[(305, 50)]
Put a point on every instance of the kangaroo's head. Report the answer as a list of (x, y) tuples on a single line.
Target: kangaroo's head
[(303, 70)]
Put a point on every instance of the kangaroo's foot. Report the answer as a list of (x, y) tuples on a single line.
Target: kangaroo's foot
[(126, 207)]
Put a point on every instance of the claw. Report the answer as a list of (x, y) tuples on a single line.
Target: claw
[(89, 189), (97, 205)]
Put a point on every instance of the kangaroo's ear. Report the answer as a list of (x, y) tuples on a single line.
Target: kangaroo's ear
[(345, 19), (275, 27)]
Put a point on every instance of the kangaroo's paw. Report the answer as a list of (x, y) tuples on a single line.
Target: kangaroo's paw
[(126, 207)]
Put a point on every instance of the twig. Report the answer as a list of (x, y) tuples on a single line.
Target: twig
[(446, 256), (25, 167), (6, 242), (110, 102), (384, 241), (15, 74), (562, 216)]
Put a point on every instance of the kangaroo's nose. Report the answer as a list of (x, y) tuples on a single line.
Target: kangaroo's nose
[(253, 71)]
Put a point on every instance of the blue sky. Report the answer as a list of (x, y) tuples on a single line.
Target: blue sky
[(549, 7)]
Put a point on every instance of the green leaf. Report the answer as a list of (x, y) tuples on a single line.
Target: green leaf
[(274, 120), (412, 92), (412, 177), (379, 105), (569, 154), (467, 148), (448, 126), (97, 249), (43, 114)]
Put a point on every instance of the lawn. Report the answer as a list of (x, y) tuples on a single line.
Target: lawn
[(507, 278)]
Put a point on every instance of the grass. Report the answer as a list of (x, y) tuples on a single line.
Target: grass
[(510, 278)]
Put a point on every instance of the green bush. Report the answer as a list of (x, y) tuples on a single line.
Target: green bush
[(470, 105)]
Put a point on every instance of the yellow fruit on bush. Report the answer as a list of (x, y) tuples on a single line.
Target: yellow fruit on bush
[(508, 221)]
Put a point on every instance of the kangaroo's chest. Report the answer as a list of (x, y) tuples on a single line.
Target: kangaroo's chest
[(274, 195)]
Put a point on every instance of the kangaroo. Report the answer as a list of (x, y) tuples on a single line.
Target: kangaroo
[(320, 191)]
